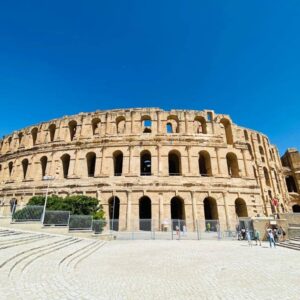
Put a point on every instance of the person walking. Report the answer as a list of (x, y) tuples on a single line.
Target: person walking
[(248, 236), (257, 237), (271, 238)]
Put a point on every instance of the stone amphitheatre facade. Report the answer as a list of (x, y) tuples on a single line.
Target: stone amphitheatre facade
[(149, 164)]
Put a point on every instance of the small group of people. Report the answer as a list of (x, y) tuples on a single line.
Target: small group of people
[(275, 235)]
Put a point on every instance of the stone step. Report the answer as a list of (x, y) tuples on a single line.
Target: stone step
[(289, 245)]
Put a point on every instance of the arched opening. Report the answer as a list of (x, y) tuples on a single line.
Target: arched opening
[(10, 168), (72, 129), (227, 130), (200, 125), (296, 208), (118, 163), (114, 212), (262, 153), (9, 141), (241, 208), (145, 213), (96, 123), (250, 149), (121, 124), (210, 209), (204, 164), (44, 161), (145, 163), (174, 163), (177, 213), (246, 135), (65, 159), (172, 124), (91, 164), (52, 129), (25, 164), (258, 137), (267, 177), (146, 124), (34, 133), (20, 138), (232, 165), (291, 184)]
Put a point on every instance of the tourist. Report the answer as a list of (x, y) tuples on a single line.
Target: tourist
[(243, 231), (275, 234), (257, 237), (208, 227), (177, 232), (248, 236), (271, 238), (283, 234), (184, 230)]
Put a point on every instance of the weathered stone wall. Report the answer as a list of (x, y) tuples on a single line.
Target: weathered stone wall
[(255, 169)]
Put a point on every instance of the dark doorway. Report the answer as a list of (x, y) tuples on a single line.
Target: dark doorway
[(114, 213), (177, 213), (145, 213), (91, 163), (118, 163), (174, 164), (145, 163), (296, 208)]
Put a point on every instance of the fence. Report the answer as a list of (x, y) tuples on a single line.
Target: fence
[(56, 218), (28, 213), (80, 222)]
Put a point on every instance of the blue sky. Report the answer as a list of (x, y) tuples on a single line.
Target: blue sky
[(240, 58)]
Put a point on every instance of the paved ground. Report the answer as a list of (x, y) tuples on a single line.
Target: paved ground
[(42, 266)]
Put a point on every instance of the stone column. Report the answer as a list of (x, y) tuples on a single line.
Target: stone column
[(158, 122), (226, 211), (129, 204), (161, 209), (158, 160), (245, 162), (194, 207), (218, 160), (188, 149), (98, 163)]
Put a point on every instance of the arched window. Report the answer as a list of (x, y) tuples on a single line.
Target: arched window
[(10, 168), (258, 137), (267, 177), (121, 125), (210, 209), (9, 142), (200, 125), (241, 208), (52, 129), (65, 159), (177, 213), (204, 164), (20, 138), (174, 163), (114, 213), (232, 165), (172, 124), (246, 135), (96, 125), (291, 184), (91, 164), (25, 164), (34, 133), (118, 163), (262, 153), (225, 123), (72, 129), (296, 208), (44, 161), (145, 163), (146, 124), (145, 214)]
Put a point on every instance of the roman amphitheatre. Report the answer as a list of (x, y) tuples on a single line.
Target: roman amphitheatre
[(149, 164)]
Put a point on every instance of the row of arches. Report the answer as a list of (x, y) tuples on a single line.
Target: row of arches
[(172, 126), (177, 209)]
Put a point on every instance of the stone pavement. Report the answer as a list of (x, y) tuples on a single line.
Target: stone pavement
[(46, 266)]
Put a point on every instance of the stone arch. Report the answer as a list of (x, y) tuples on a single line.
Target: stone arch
[(34, 133), (10, 168), (96, 126), (250, 149), (228, 130), (174, 159), (291, 184), (52, 129), (9, 140), (25, 164), (267, 176), (172, 125), (177, 208), (44, 162), (210, 209), (241, 208), (65, 160), (121, 124), (204, 163), (145, 163), (114, 212), (200, 125), (246, 135), (296, 208), (91, 163), (20, 138), (118, 163), (232, 165), (146, 124), (145, 213), (258, 138), (72, 129)]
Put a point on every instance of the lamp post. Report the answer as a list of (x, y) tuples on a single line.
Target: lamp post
[(46, 178)]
